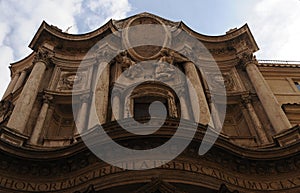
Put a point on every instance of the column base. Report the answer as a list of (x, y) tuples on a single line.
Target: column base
[(12, 137), (288, 136)]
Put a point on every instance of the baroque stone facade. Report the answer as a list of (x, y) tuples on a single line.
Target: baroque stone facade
[(47, 110)]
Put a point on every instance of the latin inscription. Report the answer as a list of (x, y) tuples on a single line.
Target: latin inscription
[(285, 183)]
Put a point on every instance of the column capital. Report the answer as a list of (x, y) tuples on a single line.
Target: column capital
[(47, 98), (245, 59), (246, 98), (43, 55)]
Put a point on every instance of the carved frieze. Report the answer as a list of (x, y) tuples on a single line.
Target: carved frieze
[(72, 80), (218, 81)]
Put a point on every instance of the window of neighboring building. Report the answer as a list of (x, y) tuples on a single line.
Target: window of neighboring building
[(142, 104), (297, 83)]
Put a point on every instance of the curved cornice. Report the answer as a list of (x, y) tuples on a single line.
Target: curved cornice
[(271, 152), (232, 34), (54, 32)]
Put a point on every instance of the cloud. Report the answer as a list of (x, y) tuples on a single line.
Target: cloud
[(95, 13), (276, 28), (19, 20)]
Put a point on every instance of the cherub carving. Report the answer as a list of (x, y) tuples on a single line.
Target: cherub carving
[(165, 69)]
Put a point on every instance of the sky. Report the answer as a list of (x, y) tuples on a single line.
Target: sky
[(275, 24)]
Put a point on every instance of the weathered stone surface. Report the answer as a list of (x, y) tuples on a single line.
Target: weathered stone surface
[(48, 105)]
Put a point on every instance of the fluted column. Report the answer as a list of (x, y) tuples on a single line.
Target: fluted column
[(83, 115), (22, 110), (270, 104), (11, 85), (201, 114), (39, 126), (20, 80), (246, 101)]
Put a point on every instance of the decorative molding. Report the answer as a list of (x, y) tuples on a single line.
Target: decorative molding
[(90, 189), (12, 137), (288, 137), (218, 163), (224, 189)]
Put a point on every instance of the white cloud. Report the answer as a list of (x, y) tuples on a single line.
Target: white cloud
[(19, 20), (276, 28), (95, 13)]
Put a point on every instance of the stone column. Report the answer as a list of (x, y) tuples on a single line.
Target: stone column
[(259, 130), (270, 104), (22, 110), (115, 107), (82, 115), (20, 80), (11, 85), (215, 116), (183, 105), (202, 114), (100, 97), (39, 126)]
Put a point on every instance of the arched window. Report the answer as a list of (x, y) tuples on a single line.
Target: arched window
[(142, 105), (138, 103)]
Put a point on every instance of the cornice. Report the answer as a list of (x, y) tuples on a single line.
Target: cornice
[(230, 35), (278, 63), (269, 152), (55, 32), (113, 25)]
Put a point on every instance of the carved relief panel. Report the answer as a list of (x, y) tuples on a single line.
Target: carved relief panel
[(230, 79), (66, 80)]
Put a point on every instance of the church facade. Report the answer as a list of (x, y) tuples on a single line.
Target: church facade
[(63, 115)]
